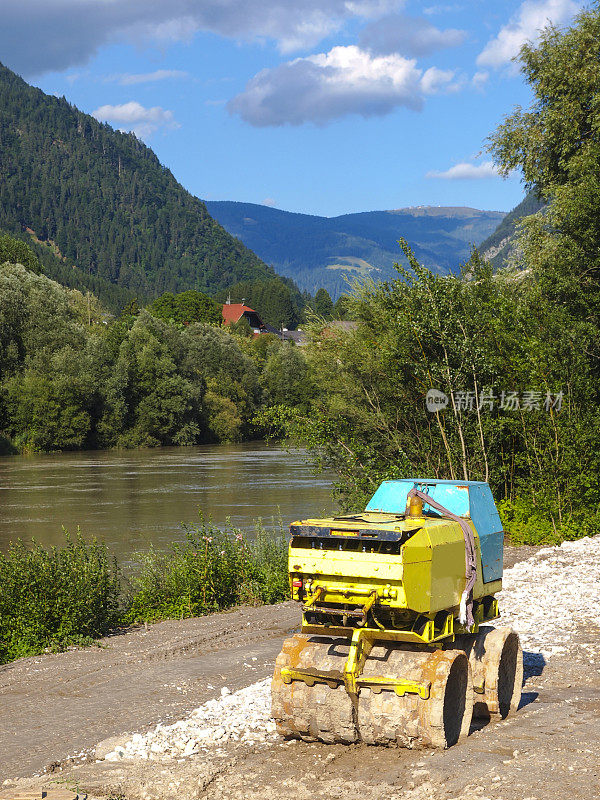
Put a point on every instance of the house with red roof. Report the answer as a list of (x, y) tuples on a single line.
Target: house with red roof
[(233, 312)]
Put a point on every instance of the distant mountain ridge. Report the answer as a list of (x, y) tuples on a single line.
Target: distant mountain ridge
[(320, 251), (107, 208)]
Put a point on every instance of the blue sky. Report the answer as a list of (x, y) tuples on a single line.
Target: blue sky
[(318, 106)]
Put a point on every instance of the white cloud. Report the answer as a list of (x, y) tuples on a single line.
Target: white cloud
[(480, 79), (410, 36), (268, 201), (132, 79), (135, 117), (436, 80), (326, 86), (531, 17), (466, 171), (443, 9), (41, 35)]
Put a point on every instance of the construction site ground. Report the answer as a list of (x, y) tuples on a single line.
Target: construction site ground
[(57, 712)]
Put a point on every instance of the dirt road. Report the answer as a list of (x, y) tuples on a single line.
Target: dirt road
[(55, 706), (62, 705)]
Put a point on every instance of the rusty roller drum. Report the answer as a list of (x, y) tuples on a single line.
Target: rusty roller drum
[(409, 721), (496, 659), (320, 712), (313, 712)]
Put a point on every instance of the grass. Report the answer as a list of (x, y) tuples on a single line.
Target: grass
[(52, 598)]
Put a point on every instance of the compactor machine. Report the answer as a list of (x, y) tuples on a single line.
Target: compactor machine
[(394, 648)]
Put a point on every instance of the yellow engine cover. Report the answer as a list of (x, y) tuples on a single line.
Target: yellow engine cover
[(433, 569), (425, 576)]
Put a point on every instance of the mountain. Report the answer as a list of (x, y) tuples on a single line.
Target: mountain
[(498, 246), (320, 251), (102, 209), (113, 297)]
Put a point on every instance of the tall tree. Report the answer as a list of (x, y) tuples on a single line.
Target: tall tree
[(323, 304), (186, 308), (14, 251), (556, 146)]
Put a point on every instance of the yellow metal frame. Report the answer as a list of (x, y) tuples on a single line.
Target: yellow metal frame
[(430, 635), (362, 640), (351, 585), (361, 643)]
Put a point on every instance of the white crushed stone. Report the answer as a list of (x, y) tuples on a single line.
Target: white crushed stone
[(544, 598), (243, 716), (549, 596)]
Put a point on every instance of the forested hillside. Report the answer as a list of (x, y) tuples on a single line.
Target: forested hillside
[(497, 247), (321, 251), (104, 204)]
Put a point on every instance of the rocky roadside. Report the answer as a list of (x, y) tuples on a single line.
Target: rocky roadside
[(226, 747)]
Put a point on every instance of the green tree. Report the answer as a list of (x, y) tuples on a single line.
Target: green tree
[(132, 309), (14, 251), (150, 398), (36, 319), (342, 308), (233, 391), (471, 337), (285, 376), (48, 384), (186, 308), (52, 409), (241, 329), (556, 146), (323, 304)]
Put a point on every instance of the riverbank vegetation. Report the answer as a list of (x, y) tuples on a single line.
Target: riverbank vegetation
[(53, 598), (212, 570), (73, 377), (515, 353)]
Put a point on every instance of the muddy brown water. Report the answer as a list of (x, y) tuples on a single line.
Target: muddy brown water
[(132, 499)]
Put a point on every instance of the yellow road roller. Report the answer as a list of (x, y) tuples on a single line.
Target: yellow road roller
[(394, 647)]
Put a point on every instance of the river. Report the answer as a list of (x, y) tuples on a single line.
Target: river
[(131, 499)]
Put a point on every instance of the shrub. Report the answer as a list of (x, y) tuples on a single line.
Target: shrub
[(546, 524), (56, 597), (211, 571)]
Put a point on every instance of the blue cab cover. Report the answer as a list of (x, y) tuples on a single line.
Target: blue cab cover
[(470, 499)]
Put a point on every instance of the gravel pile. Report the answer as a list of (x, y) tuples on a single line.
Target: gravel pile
[(545, 598), (243, 717), (549, 596)]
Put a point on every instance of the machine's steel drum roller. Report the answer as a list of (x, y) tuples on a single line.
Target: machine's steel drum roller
[(313, 712), (409, 721), (330, 714), (496, 659)]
